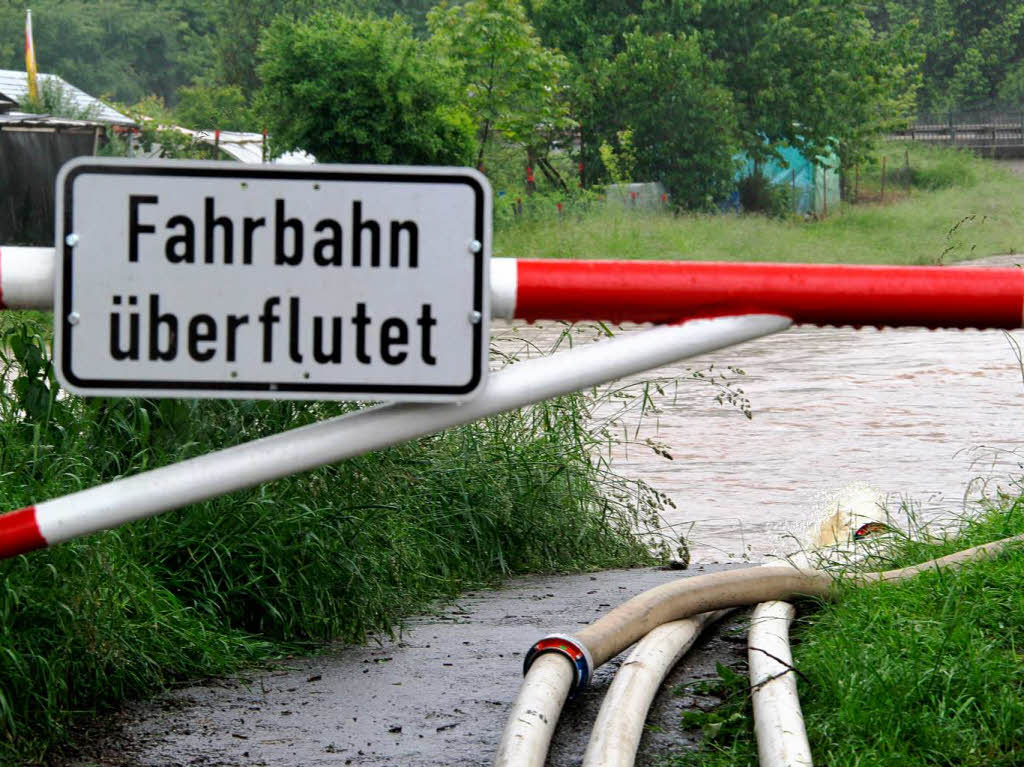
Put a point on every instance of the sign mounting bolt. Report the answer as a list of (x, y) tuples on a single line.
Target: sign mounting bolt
[(475, 246), (73, 318), (71, 240), (475, 317)]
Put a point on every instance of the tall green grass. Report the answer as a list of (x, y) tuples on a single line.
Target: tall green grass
[(958, 207), (921, 673), (341, 552)]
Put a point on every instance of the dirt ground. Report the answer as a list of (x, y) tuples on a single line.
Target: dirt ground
[(437, 696)]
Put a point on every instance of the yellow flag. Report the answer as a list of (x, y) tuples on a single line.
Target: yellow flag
[(30, 60)]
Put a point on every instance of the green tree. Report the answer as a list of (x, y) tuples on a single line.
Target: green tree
[(512, 83), (809, 73), (683, 122), (969, 48), (812, 74), (210, 106), (236, 29), (590, 34), (123, 49), (361, 90), (1011, 89), (620, 163)]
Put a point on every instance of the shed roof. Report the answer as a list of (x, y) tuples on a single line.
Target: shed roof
[(248, 147), (26, 121), (244, 147), (14, 85)]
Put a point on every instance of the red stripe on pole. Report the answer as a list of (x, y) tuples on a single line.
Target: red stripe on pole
[(19, 532), (817, 294)]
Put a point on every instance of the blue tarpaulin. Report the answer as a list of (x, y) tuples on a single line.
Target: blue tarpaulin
[(814, 183)]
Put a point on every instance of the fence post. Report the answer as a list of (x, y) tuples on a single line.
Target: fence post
[(952, 129), (824, 191), (906, 170), (856, 183), (883, 179)]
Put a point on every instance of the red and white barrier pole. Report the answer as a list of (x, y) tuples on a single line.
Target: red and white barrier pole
[(669, 291), (769, 296), (816, 294), (224, 471)]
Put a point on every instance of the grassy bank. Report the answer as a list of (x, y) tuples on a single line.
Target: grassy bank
[(957, 207), (926, 672), (336, 553)]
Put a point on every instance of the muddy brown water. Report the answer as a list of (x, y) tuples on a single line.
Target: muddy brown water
[(931, 419)]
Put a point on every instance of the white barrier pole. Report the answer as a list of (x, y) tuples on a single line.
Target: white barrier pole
[(172, 487), (26, 277)]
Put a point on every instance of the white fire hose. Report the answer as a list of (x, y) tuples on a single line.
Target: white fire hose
[(549, 680), (620, 722)]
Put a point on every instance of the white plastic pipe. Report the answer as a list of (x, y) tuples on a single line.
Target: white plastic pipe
[(171, 487), (778, 720), (620, 722)]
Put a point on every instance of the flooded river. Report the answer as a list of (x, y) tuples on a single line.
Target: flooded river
[(924, 420)]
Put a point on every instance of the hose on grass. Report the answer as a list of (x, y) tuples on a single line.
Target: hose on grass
[(526, 738)]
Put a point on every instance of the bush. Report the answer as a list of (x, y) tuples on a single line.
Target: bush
[(930, 168), (759, 195), (361, 90), (665, 89), (943, 170), (214, 107)]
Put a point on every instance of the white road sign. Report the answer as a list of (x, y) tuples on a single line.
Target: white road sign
[(191, 279)]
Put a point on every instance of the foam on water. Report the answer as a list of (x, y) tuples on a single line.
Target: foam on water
[(834, 521)]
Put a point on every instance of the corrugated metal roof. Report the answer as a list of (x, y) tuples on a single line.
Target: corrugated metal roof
[(245, 147), (25, 119), (14, 85)]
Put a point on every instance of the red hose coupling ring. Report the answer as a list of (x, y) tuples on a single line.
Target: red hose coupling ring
[(571, 648)]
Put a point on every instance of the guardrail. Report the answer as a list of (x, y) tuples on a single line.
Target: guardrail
[(701, 307), (988, 131)]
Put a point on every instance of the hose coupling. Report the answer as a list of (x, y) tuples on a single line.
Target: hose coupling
[(570, 647)]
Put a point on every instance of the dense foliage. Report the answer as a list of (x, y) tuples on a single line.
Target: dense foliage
[(683, 122), (695, 82), (361, 89), (511, 82), (972, 52)]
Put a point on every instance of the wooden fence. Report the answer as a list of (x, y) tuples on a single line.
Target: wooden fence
[(991, 133)]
